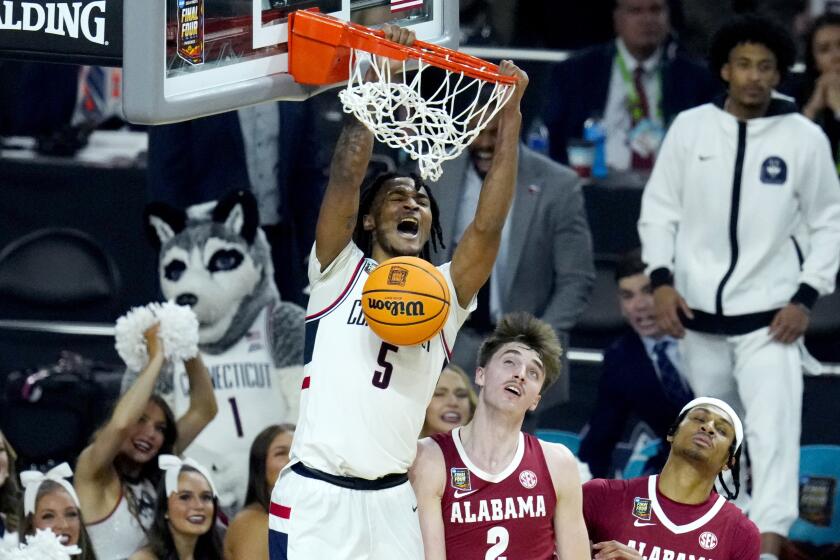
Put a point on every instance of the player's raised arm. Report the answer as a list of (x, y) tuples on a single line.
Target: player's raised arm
[(340, 207), (473, 259), (428, 478), (571, 537)]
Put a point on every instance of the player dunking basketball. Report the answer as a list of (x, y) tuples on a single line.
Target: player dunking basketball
[(345, 496), (677, 514), (487, 490)]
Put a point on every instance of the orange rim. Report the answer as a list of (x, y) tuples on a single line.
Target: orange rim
[(310, 25)]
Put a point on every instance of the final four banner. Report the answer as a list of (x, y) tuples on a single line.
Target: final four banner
[(74, 31)]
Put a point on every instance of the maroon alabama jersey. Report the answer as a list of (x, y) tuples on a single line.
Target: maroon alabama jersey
[(635, 513), (508, 515)]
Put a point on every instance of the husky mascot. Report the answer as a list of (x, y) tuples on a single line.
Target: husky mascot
[(215, 258)]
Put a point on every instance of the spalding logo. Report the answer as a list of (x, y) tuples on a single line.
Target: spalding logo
[(407, 308), (69, 19)]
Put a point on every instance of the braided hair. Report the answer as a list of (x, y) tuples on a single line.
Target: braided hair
[(364, 238), (733, 460)]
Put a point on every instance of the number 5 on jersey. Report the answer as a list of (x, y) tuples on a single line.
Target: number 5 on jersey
[(382, 378)]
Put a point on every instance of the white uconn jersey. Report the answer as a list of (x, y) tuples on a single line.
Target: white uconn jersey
[(249, 395), (363, 400)]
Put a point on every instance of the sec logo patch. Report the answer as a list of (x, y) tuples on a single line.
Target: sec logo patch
[(708, 540), (528, 479)]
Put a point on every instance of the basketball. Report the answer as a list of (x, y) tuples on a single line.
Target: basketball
[(406, 301)]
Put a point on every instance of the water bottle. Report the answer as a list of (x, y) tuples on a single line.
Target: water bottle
[(594, 131), (537, 136)]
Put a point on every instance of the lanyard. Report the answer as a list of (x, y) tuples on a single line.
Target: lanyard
[(634, 103)]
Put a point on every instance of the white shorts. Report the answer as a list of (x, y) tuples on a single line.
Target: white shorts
[(313, 519)]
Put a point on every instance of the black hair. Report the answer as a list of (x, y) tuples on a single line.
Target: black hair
[(364, 239), (629, 264), (733, 459), (258, 492), (208, 546), (751, 28), (828, 19)]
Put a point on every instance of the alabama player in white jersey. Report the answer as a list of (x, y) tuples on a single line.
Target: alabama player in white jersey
[(344, 496)]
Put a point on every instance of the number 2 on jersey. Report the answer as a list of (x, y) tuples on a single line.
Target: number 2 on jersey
[(382, 378), (499, 538)]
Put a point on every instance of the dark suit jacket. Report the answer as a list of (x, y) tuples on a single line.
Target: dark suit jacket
[(628, 386), (551, 271), (580, 87)]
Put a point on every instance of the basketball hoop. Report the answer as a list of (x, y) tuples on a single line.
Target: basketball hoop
[(432, 129)]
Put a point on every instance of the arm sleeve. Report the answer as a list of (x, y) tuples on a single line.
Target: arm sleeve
[(748, 543), (574, 269), (662, 204), (819, 198), (594, 502), (607, 422)]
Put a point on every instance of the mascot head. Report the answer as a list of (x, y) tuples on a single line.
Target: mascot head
[(214, 258)]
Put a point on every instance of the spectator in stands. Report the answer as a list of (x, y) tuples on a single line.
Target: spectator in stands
[(49, 502), (272, 148), (116, 474), (637, 84), (9, 493), (185, 525), (545, 264), (819, 94), (640, 368), (246, 538), (738, 185), (453, 402)]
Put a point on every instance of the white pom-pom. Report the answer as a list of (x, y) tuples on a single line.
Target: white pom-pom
[(178, 330), (43, 545), (130, 344)]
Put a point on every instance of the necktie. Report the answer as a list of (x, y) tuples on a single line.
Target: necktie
[(640, 162), (672, 384)]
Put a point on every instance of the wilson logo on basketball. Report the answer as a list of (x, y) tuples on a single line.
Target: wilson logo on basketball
[(68, 19), (398, 308)]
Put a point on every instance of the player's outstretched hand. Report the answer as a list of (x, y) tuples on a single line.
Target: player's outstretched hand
[(668, 303), (614, 549), (508, 68), (789, 323)]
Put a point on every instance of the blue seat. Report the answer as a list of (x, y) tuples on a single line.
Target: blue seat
[(569, 439), (636, 465), (819, 499)]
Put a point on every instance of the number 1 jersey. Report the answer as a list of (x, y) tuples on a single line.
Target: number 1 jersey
[(363, 401)]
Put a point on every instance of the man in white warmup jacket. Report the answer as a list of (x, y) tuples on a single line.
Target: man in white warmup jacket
[(740, 227)]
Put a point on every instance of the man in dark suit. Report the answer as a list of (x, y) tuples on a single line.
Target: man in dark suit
[(640, 375), (272, 149), (544, 265), (636, 84)]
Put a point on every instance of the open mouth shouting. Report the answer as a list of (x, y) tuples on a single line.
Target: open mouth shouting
[(408, 227), (451, 417), (142, 445)]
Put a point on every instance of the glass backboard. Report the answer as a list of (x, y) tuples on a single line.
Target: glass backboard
[(188, 58)]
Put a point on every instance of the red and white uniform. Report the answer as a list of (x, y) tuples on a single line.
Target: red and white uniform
[(507, 515), (635, 513)]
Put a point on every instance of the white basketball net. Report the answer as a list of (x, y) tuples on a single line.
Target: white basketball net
[(429, 129)]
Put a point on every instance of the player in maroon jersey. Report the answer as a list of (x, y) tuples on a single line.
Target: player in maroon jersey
[(678, 515), (488, 491)]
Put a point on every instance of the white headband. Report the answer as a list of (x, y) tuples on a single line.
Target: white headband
[(172, 465), (736, 422), (32, 480)]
